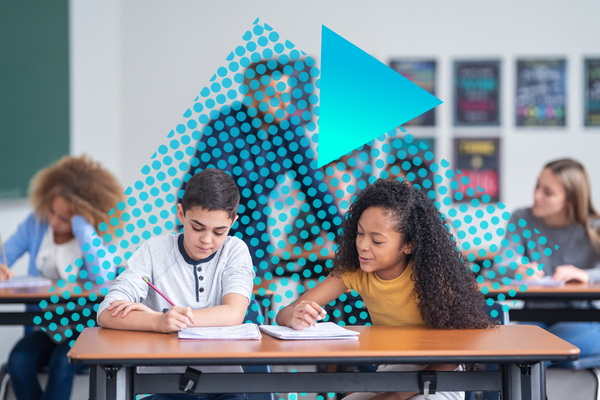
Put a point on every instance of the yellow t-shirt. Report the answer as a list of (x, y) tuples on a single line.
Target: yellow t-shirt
[(389, 302)]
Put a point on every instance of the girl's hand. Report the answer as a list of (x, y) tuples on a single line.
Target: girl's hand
[(306, 314), (176, 319), (126, 306), (568, 273), (537, 274), (5, 273)]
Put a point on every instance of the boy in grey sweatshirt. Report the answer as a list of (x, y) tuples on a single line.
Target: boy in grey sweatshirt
[(207, 274)]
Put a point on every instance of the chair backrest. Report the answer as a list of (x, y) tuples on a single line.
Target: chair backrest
[(497, 312)]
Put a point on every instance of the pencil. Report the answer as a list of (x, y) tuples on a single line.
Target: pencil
[(157, 291), (3, 254)]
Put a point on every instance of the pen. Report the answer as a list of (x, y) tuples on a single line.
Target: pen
[(157, 291)]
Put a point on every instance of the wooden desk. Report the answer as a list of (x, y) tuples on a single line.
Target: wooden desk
[(568, 292), (113, 356), (71, 292)]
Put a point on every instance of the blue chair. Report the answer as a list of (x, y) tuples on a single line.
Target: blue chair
[(495, 313), (254, 316)]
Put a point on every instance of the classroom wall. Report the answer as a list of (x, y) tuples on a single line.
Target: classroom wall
[(137, 66)]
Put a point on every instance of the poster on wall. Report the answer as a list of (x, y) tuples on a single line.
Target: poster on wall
[(479, 160), (592, 92), (421, 73), (477, 93), (541, 92)]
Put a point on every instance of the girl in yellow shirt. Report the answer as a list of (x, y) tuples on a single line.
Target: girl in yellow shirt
[(397, 253)]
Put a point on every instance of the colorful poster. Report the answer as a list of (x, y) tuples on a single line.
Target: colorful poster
[(476, 93), (592, 92), (421, 73), (479, 160), (541, 92)]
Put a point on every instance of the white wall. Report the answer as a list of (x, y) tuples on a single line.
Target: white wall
[(136, 66), (171, 49)]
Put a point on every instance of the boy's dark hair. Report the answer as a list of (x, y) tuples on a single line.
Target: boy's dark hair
[(212, 189)]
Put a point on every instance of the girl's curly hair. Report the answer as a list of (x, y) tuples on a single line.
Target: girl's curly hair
[(445, 288), (89, 189)]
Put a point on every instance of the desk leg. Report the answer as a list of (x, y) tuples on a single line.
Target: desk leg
[(97, 382), (111, 381), (524, 381)]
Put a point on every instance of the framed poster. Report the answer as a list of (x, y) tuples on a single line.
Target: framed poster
[(479, 160), (477, 93), (421, 73), (592, 92), (541, 92)]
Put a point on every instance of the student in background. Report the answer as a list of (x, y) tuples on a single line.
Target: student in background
[(70, 200), (563, 213), (397, 254), (207, 274)]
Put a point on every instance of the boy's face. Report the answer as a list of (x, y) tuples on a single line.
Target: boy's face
[(204, 231)]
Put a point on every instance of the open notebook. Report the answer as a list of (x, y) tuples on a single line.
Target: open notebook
[(236, 332), (323, 331), (25, 281), (544, 281)]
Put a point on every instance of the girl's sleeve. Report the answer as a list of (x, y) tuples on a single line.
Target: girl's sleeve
[(96, 256), (19, 243), (594, 272)]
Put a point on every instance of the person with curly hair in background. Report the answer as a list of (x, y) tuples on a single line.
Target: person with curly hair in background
[(396, 252), (70, 199)]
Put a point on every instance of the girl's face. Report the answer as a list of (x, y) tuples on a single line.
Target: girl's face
[(204, 231), (59, 216), (378, 245), (550, 196)]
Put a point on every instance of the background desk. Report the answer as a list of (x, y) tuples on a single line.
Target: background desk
[(34, 295), (568, 292), (113, 356)]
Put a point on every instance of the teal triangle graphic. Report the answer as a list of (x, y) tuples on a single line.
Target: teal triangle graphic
[(361, 98)]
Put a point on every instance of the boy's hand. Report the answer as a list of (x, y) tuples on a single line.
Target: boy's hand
[(306, 314), (176, 319), (126, 306), (5, 273)]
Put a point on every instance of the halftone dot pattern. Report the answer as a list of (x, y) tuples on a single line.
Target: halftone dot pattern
[(293, 217)]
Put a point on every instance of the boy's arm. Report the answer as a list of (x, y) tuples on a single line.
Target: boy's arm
[(231, 312), (130, 287)]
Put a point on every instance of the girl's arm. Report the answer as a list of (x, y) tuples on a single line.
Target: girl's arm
[(96, 260), (18, 243), (308, 309)]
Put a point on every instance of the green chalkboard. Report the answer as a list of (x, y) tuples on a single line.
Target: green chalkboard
[(34, 90)]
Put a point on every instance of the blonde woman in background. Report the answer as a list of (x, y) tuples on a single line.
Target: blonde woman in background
[(563, 213), (70, 199)]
